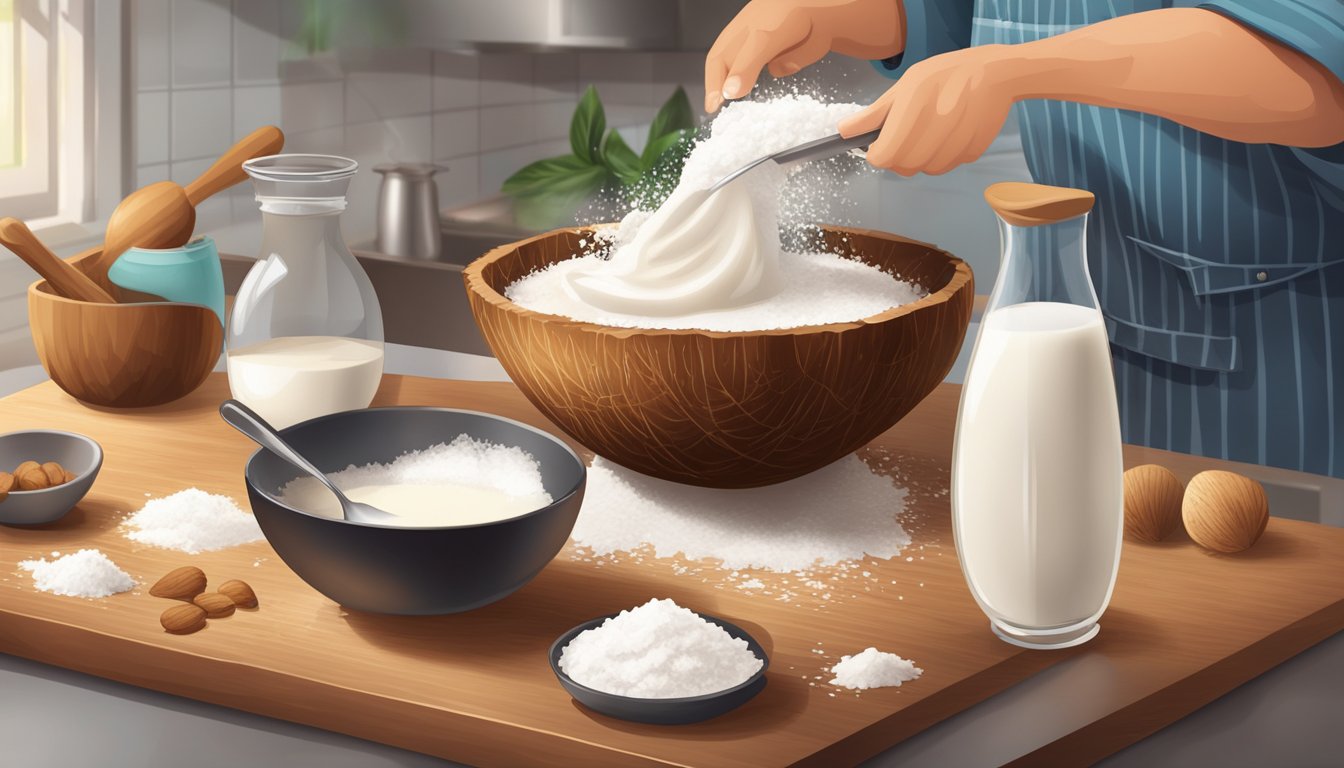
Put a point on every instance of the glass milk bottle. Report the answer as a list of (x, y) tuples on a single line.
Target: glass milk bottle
[(1036, 472), (306, 333)]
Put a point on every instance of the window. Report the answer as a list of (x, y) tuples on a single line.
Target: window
[(27, 97), (45, 103)]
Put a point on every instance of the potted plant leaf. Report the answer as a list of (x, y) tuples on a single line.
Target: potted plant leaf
[(549, 192)]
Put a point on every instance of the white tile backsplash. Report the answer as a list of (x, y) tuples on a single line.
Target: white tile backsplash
[(460, 184), (506, 78), (503, 127), (255, 106), (202, 123), (620, 77), (555, 77), (457, 133), (256, 42), (307, 106), (456, 80), (202, 43), (150, 28), (151, 127), (150, 174), (389, 84)]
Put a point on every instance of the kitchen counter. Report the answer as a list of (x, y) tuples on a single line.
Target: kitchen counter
[(1285, 717)]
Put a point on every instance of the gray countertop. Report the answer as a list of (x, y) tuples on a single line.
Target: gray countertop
[(1288, 716)]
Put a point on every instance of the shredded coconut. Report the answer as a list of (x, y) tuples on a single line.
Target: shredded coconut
[(658, 650), (192, 521), (464, 461), (87, 573), (873, 669), (841, 512), (794, 288)]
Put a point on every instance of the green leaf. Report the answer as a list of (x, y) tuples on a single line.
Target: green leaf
[(674, 116), (656, 148), (556, 195), (587, 127), (620, 158), (544, 175)]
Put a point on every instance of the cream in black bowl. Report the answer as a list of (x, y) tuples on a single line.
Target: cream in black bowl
[(413, 570)]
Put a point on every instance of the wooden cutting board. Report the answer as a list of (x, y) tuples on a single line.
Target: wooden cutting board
[(1183, 628)]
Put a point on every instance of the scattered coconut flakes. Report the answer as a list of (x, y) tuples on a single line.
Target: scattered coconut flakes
[(87, 573), (193, 521), (658, 650), (873, 669), (751, 584), (841, 512)]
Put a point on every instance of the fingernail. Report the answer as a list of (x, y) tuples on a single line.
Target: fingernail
[(731, 87), (789, 68)]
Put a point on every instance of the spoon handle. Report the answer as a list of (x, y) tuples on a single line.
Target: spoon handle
[(228, 169), (245, 420), (64, 278)]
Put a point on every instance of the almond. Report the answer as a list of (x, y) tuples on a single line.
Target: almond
[(183, 619), (180, 583), (55, 473), (31, 478), (6, 484), (239, 592), (68, 476), (215, 605)]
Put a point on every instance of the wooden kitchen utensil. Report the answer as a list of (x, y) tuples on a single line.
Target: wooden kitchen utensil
[(64, 278), (163, 215)]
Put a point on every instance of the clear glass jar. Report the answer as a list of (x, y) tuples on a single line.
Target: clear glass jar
[(1037, 507), (305, 334)]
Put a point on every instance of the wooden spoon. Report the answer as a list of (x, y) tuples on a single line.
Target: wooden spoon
[(65, 279), (163, 215)]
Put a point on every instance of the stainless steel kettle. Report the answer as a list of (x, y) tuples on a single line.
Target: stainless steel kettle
[(408, 211)]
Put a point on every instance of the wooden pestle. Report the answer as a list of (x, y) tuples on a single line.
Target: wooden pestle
[(64, 278)]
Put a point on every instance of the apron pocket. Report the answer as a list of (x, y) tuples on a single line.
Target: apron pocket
[(1210, 277), (1192, 350)]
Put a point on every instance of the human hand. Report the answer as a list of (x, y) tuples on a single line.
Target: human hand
[(943, 112), (787, 35)]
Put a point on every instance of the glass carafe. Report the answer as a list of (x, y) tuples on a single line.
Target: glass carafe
[(306, 333), (1037, 510)]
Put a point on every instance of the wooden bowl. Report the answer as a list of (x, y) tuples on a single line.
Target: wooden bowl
[(123, 355), (728, 410)]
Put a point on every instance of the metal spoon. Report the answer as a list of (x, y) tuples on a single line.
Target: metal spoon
[(827, 146), (245, 420)]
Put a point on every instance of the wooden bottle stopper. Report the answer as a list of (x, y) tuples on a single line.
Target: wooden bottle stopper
[(1028, 205)]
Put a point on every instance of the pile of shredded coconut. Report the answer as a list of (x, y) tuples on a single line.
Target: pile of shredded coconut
[(658, 651), (87, 573), (193, 521), (807, 289), (873, 669), (841, 512), (464, 461)]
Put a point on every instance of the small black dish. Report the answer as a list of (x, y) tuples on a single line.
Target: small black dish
[(679, 711)]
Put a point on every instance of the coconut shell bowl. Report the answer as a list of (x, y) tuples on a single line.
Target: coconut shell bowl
[(123, 355), (728, 409)]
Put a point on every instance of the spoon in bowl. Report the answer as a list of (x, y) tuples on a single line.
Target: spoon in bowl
[(245, 420)]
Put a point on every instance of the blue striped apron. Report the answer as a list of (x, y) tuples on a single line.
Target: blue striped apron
[(1219, 265)]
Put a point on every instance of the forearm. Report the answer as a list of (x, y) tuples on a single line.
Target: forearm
[(1192, 66)]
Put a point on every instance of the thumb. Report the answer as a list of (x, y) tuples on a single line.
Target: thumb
[(870, 118)]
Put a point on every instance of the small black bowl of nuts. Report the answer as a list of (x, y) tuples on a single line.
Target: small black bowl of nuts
[(44, 473)]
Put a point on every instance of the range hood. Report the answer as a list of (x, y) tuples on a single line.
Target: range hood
[(546, 24)]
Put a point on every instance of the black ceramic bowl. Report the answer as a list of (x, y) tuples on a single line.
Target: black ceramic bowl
[(678, 711), (413, 571), (76, 453)]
